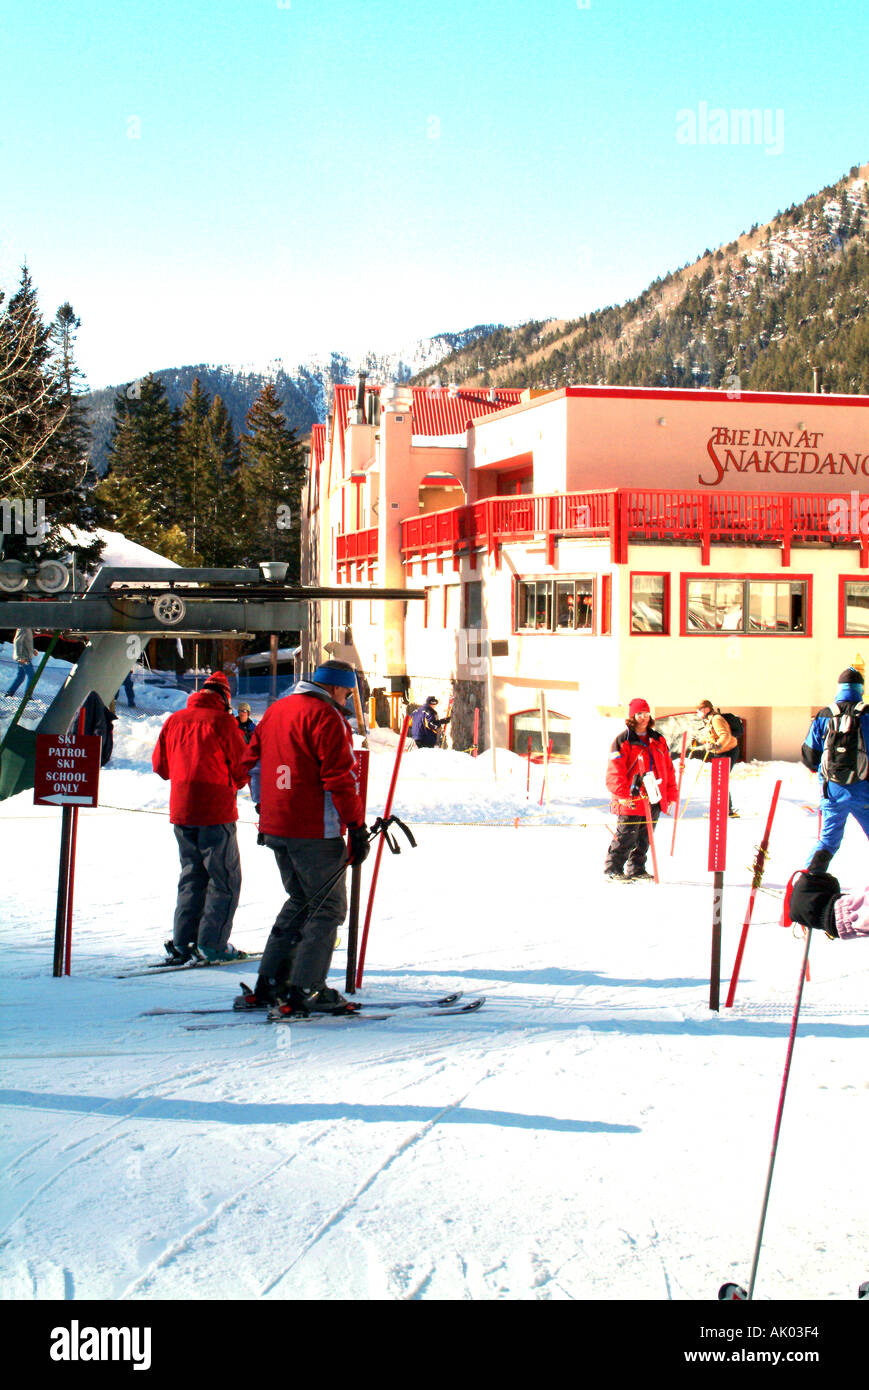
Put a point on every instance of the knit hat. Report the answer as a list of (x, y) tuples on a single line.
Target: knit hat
[(638, 707), (218, 685), (432, 700), (850, 676), (339, 673), (244, 705)]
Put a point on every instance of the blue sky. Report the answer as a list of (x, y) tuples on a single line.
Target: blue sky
[(235, 180)]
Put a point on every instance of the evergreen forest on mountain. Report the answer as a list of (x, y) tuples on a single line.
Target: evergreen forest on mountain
[(206, 480)]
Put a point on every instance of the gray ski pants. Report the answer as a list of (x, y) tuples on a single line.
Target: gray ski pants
[(209, 886), (299, 952)]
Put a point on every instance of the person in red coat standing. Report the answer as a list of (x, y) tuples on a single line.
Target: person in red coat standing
[(639, 750), (200, 752), (309, 795)]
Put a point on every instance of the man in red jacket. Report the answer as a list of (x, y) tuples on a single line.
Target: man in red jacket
[(309, 794), (200, 751), (638, 750)]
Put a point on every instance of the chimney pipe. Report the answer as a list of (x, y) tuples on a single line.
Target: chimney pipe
[(360, 390)]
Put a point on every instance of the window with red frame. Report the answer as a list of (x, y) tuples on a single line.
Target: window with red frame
[(854, 608), (725, 605), (650, 603), (526, 723), (555, 605)]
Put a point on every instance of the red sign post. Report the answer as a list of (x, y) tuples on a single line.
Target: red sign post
[(67, 774), (718, 809)]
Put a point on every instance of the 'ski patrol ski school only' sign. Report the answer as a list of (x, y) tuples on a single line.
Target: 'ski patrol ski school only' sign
[(67, 770)]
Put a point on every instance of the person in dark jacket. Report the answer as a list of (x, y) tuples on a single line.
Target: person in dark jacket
[(310, 794), (246, 726), (838, 801), (639, 750), (200, 752), (98, 719), (424, 724)]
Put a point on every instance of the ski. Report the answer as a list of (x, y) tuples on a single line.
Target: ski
[(162, 967), (359, 1014), (356, 1011), (391, 1004)]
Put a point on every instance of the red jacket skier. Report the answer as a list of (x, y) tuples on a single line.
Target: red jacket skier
[(200, 751), (640, 749)]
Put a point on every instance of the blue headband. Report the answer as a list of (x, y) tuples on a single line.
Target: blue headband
[(334, 675)]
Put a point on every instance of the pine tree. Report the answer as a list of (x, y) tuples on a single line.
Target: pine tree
[(228, 494), (68, 480), (272, 482), (29, 417)]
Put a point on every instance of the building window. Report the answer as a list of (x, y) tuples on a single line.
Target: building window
[(452, 597), (555, 605), (854, 608), (527, 724), (650, 603), (473, 604), (747, 606)]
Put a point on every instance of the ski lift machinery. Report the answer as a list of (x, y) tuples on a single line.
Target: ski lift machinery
[(125, 603)]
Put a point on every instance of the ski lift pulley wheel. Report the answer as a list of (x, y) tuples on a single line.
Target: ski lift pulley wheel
[(52, 577), (169, 610), (13, 576)]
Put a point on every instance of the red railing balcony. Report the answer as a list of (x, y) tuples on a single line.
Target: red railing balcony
[(634, 514), (357, 548)]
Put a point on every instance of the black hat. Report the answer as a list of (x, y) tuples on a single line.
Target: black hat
[(850, 677), (432, 700)]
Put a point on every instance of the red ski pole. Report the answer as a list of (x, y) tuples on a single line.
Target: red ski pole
[(379, 855), (356, 886), (678, 791), (544, 784), (781, 1105), (67, 964), (759, 866), (476, 731)]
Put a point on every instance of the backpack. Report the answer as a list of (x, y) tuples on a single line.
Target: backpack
[(844, 759), (737, 728)]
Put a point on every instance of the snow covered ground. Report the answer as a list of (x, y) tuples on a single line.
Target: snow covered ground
[(593, 1133)]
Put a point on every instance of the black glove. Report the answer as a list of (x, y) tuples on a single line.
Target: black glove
[(812, 901), (358, 843), (256, 807)]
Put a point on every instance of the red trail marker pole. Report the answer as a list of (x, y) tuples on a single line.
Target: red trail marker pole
[(379, 855), (678, 791), (476, 731), (758, 872), (718, 808), (528, 776)]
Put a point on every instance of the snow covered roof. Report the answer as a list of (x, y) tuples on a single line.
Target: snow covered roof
[(118, 550)]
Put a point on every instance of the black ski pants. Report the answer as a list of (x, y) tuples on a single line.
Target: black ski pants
[(209, 887), (299, 948), (630, 844)]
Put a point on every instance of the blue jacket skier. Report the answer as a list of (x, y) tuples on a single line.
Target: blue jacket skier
[(836, 755), (425, 724)]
